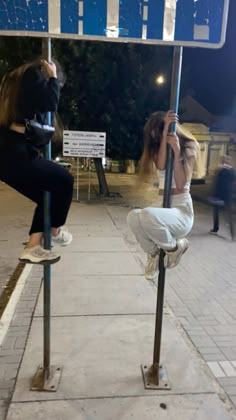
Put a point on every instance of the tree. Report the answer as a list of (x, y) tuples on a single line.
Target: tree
[(14, 51), (110, 87)]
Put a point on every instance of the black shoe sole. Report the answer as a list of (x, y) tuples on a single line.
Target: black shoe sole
[(44, 262)]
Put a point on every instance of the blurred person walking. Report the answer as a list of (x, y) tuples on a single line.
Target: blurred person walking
[(222, 195)]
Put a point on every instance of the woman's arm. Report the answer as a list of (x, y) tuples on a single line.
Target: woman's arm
[(179, 169), (182, 170), (40, 92), (160, 158), (179, 173)]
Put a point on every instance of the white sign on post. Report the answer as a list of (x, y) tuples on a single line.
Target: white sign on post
[(89, 144)]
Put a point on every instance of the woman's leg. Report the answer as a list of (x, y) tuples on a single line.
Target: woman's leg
[(142, 238), (31, 178), (215, 219), (33, 252), (167, 227), (160, 228), (35, 239), (49, 176), (140, 233), (230, 219)]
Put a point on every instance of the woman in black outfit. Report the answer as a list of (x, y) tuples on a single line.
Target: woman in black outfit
[(28, 93)]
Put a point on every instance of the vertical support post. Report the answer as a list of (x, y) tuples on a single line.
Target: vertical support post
[(89, 181), (155, 376), (47, 244), (77, 177), (47, 377), (208, 157)]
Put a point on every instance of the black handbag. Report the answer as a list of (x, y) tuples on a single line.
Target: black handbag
[(38, 134)]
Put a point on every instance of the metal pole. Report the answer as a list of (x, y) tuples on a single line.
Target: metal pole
[(77, 176), (208, 158), (47, 243), (156, 377), (89, 181), (47, 377)]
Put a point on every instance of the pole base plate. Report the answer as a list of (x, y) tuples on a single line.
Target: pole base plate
[(152, 382), (43, 382)]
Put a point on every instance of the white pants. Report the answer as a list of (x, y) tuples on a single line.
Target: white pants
[(160, 227)]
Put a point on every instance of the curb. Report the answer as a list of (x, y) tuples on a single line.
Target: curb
[(12, 303)]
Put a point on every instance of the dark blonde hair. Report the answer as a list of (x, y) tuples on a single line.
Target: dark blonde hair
[(153, 131)]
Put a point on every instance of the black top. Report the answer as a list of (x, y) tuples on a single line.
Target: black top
[(37, 96)]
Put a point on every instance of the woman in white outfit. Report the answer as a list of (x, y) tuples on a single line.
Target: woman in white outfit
[(158, 228)]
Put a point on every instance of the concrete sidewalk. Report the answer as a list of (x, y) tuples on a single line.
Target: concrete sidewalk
[(103, 316), (15, 214)]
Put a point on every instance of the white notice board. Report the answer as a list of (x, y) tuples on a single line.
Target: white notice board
[(89, 144)]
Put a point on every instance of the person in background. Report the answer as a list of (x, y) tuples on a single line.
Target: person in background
[(222, 194), (29, 93), (158, 228)]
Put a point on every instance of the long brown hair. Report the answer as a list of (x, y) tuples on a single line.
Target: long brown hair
[(9, 91), (152, 134), (153, 131)]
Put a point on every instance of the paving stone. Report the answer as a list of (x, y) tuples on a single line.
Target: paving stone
[(215, 357), (230, 390), (5, 384), (174, 407), (3, 409), (201, 286), (229, 381), (228, 368), (8, 343), (16, 358)]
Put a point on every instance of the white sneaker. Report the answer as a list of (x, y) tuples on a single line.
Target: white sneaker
[(38, 255), (63, 238), (151, 267), (173, 258)]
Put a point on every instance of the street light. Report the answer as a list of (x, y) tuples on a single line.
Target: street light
[(160, 80)]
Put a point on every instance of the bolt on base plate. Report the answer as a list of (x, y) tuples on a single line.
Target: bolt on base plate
[(150, 382), (43, 382)]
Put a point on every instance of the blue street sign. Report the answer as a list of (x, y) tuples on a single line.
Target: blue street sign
[(200, 23)]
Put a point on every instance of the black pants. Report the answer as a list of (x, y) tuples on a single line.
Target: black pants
[(229, 218), (30, 175)]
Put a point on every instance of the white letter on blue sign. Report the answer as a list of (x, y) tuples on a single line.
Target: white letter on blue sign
[(54, 17), (169, 20), (112, 29)]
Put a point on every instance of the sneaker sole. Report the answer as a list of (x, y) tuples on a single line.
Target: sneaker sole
[(178, 259), (156, 271), (54, 243), (150, 278), (43, 262)]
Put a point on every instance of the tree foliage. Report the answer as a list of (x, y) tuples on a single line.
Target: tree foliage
[(14, 51), (110, 86)]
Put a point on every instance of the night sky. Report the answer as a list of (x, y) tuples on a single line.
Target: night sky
[(213, 72)]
